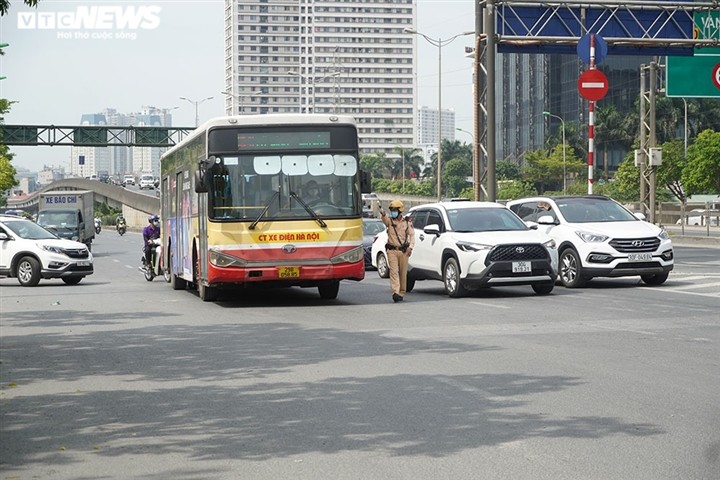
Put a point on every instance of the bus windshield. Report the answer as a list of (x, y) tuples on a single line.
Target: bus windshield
[(283, 186)]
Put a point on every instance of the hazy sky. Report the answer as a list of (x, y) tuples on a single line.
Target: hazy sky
[(55, 79)]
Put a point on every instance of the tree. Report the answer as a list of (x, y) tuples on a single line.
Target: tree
[(376, 164), (7, 171), (670, 172), (505, 170), (546, 169), (610, 132), (626, 181), (512, 189), (5, 5), (411, 159), (702, 172), (455, 176)]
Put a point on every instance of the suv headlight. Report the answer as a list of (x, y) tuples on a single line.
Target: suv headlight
[(550, 244), (663, 235), (52, 248), (472, 247), (590, 237)]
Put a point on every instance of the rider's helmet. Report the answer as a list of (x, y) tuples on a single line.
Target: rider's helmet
[(397, 205), (154, 219)]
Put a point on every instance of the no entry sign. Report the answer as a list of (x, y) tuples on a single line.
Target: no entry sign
[(592, 85)]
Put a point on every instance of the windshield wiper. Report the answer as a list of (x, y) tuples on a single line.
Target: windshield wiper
[(309, 209), (264, 211)]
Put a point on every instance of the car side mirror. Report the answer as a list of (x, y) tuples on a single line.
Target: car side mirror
[(531, 225), (546, 220), (639, 216), (432, 230), (4, 236)]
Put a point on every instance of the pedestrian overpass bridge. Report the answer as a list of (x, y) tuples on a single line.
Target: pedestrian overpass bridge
[(135, 206)]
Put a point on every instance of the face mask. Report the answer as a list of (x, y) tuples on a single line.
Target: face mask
[(394, 214), (156, 223)]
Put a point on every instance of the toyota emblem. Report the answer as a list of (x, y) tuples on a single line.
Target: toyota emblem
[(520, 249), (289, 248), (638, 243)]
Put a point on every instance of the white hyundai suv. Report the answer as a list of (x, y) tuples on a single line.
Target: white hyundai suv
[(470, 245), (598, 237), (29, 252)]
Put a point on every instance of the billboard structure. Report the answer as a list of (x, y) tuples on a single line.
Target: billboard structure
[(631, 27)]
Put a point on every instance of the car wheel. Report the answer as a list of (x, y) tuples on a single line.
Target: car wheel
[(72, 280), (28, 272), (451, 278), (329, 291), (657, 279), (570, 269), (382, 266), (543, 288)]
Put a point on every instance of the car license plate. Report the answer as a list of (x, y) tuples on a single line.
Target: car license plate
[(83, 264), (639, 257), (521, 267), (288, 272)]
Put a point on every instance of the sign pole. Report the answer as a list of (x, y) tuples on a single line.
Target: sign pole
[(591, 122)]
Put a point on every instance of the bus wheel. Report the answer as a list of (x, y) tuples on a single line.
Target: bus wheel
[(329, 291)]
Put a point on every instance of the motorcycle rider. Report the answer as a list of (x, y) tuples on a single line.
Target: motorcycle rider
[(120, 222), (150, 233)]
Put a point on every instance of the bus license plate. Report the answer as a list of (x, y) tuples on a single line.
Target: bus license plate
[(639, 257), (288, 272), (521, 267)]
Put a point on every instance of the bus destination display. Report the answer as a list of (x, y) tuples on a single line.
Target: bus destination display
[(283, 140)]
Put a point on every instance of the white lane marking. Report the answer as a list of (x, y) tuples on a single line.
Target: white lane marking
[(482, 304)]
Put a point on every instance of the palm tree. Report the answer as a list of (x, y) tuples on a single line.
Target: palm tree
[(411, 159), (610, 132)]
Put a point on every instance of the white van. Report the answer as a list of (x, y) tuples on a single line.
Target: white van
[(128, 180), (147, 181)]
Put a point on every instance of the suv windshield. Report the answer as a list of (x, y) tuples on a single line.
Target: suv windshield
[(28, 230), (484, 220), (588, 210)]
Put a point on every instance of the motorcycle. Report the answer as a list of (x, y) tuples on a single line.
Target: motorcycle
[(156, 267), (98, 225), (121, 227)]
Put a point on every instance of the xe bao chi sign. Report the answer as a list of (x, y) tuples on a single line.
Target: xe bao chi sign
[(593, 85)]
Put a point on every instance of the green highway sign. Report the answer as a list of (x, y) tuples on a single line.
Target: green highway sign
[(693, 76), (707, 26), (697, 76)]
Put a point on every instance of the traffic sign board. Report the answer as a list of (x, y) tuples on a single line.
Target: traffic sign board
[(583, 48), (593, 85), (692, 77)]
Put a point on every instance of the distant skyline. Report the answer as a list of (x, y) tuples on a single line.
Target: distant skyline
[(177, 50)]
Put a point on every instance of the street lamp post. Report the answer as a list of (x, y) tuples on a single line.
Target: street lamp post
[(439, 43), (196, 103), (242, 98), (548, 114)]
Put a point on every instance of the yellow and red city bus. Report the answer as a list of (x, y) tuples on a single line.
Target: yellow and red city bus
[(233, 211)]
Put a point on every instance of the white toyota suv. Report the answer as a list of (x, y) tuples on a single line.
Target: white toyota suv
[(598, 237), (29, 252), (470, 245)]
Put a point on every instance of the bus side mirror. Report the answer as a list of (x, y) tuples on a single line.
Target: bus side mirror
[(365, 182), (201, 175)]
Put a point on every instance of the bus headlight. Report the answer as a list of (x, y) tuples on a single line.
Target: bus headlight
[(219, 259), (351, 256)]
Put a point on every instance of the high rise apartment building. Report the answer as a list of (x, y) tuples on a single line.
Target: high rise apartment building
[(119, 160), (326, 56), (427, 126)]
